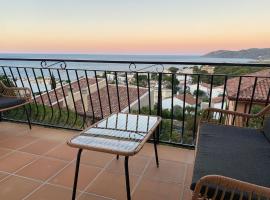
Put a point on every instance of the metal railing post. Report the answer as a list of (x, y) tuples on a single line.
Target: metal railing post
[(159, 104)]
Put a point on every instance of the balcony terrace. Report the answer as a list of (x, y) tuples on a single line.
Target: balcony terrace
[(70, 95), (38, 165)]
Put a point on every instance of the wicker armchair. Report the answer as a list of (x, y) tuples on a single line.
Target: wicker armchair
[(228, 147), (228, 188), (14, 97)]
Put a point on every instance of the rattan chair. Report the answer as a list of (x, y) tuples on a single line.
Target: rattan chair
[(228, 188), (14, 97), (211, 171)]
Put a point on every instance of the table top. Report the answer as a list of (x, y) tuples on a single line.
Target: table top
[(120, 133)]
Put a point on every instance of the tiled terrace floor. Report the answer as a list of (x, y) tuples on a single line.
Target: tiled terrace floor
[(38, 165)]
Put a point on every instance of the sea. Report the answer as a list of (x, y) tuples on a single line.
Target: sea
[(19, 70), (111, 57)]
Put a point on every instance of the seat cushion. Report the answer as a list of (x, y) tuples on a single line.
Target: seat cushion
[(6, 102), (239, 153)]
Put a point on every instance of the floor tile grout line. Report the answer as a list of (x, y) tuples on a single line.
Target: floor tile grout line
[(80, 191), (37, 158), (41, 155), (60, 186), (49, 179), (13, 173), (37, 139), (96, 177), (15, 150), (24, 177), (67, 162), (16, 135), (53, 176), (141, 176), (186, 164), (106, 168), (20, 167), (185, 176), (93, 194), (22, 135)]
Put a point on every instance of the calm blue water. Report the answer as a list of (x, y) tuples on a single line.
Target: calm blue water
[(20, 78), (124, 67)]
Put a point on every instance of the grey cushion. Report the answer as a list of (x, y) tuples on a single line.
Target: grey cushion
[(240, 153), (6, 102)]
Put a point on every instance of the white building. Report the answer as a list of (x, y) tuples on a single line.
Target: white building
[(186, 70), (206, 88), (217, 91), (216, 102), (120, 78), (202, 86), (178, 100), (181, 79)]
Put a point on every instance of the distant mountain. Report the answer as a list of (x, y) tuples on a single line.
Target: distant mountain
[(253, 53)]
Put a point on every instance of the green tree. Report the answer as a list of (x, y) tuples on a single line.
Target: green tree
[(167, 80), (200, 93), (178, 112), (226, 70), (53, 82), (154, 76), (204, 75), (173, 69), (142, 80)]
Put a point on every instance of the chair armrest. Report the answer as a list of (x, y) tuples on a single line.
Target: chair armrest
[(21, 92), (224, 185), (208, 111), (220, 116)]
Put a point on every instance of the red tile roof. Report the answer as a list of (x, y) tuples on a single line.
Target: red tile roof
[(105, 106), (247, 85), (133, 96), (189, 99), (59, 91)]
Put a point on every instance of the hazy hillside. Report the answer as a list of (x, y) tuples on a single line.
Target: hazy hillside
[(246, 53)]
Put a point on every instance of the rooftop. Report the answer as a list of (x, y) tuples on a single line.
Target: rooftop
[(25, 153), (113, 97), (247, 85), (188, 98), (98, 111)]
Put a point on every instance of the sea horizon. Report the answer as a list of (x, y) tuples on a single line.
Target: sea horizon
[(125, 57)]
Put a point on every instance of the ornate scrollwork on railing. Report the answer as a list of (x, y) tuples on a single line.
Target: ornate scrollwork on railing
[(159, 68), (60, 64), (132, 67)]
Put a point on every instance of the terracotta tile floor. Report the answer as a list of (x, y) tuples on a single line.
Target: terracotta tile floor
[(38, 165)]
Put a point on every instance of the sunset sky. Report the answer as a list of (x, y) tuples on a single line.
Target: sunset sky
[(133, 26)]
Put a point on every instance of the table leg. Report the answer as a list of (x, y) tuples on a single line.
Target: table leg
[(155, 147), (76, 174), (127, 178)]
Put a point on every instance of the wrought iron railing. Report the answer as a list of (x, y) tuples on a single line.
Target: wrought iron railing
[(73, 94)]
